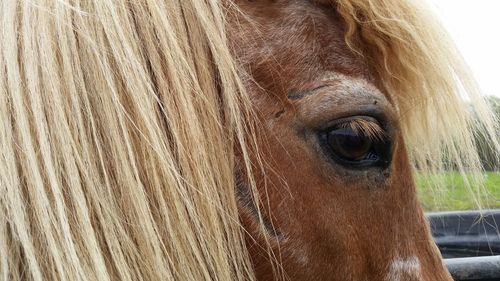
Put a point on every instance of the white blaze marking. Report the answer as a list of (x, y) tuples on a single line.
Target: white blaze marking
[(404, 270), (300, 256)]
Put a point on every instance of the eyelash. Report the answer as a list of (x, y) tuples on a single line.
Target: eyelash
[(368, 128)]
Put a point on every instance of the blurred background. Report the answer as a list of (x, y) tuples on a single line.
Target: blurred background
[(475, 27)]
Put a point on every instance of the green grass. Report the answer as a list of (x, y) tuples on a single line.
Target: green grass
[(452, 193)]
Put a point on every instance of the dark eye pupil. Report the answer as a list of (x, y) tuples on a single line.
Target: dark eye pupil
[(349, 144)]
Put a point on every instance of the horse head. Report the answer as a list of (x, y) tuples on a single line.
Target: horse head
[(339, 198)]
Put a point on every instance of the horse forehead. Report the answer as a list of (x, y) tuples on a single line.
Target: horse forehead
[(289, 43), (288, 26)]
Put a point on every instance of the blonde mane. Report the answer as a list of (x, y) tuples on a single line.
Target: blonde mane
[(119, 121), (117, 142)]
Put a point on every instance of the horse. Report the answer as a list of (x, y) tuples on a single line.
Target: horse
[(226, 140)]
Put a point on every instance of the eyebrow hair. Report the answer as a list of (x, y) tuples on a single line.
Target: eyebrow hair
[(295, 94)]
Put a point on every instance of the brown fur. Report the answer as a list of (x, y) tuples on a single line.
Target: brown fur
[(333, 223)]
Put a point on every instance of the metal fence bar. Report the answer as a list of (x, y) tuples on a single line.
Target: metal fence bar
[(476, 268)]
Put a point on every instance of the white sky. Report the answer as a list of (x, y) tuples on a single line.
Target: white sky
[(475, 27)]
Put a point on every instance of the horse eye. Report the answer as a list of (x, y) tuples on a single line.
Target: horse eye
[(348, 144), (354, 147)]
